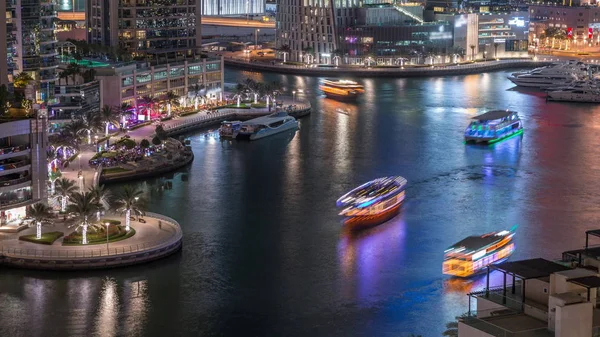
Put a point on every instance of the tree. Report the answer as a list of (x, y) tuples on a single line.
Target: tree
[(172, 99), (144, 143), (88, 75), (239, 92), (160, 132), (101, 195), (64, 188), (83, 206), (73, 70), (285, 50), (107, 115), (149, 102), (156, 141), (129, 200), (4, 99), (22, 80), (472, 51), (39, 213), (125, 110), (76, 129)]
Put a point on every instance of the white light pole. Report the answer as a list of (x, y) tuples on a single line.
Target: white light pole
[(107, 224), (256, 39), (247, 10), (294, 97)]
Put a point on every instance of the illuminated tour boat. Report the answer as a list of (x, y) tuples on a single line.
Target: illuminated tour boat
[(474, 253), (494, 126), (374, 202), (342, 89), (261, 127), (229, 129)]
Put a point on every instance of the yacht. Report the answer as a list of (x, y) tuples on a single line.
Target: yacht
[(554, 75), (474, 253), (373, 203), (494, 126), (583, 95), (342, 89), (261, 127), (229, 129)]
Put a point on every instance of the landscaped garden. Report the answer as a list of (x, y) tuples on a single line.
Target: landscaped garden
[(45, 239), (96, 234)]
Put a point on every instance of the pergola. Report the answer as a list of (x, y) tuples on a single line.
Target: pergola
[(587, 282), (524, 270), (587, 250)]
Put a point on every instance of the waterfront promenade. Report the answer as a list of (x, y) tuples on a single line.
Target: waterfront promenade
[(150, 242)]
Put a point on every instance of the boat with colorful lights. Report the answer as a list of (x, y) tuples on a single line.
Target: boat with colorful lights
[(341, 89), (494, 126), (474, 253), (374, 202)]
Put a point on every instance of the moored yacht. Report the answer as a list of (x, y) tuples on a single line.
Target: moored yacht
[(554, 75), (583, 95), (474, 253), (494, 126), (261, 127), (229, 129), (373, 202), (341, 89)]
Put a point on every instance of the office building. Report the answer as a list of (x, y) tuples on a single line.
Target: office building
[(23, 167), (232, 7), (166, 28)]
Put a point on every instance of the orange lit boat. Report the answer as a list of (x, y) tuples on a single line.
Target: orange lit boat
[(374, 202), (474, 253), (342, 89)]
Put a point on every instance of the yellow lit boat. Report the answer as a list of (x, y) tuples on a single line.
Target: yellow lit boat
[(474, 253), (341, 89)]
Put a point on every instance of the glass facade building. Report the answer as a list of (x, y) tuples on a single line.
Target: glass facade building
[(232, 7)]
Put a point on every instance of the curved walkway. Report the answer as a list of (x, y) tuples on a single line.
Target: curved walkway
[(435, 70), (151, 241)]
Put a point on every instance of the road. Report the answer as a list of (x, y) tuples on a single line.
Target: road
[(235, 22)]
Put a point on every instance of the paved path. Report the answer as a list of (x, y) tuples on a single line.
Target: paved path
[(148, 236)]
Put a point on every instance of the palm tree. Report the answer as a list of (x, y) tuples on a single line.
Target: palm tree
[(239, 91), (251, 87), (149, 102), (107, 115), (285, 50), (73, 69), (76, 129), (472, 52), (22, 80), (82, 206), (65, 187), (102, 197), (125, 110), (496, 45), (39, 213), (128, 200), (172, 99), (4, 99)]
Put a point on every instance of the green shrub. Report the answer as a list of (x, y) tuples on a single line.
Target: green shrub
[(258, 105), (156, 141), (115, 233), (109, 154), (128, 143), (144, 143), (46, 239)]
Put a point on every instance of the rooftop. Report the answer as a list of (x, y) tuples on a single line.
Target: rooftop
[(530, 269), (509, 325), (494, 114), (477, 242)]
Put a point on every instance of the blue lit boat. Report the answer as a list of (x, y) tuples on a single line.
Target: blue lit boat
[(373, 202), (474, 253), (494, 126)]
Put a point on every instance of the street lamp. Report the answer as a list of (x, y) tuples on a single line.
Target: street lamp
[(256, 39), (107, 224), (294, 97), (247, 10), (136, 200)]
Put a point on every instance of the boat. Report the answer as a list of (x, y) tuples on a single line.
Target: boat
[(229, 129), (261, 127), (582, 94), (494, 126), (474, 253), (544, 77), (341, 89), (373, 203)]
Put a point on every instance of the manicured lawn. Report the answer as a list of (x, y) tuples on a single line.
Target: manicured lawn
[(128, 143), (115, 233), (234, 106), (259, 105), (47, 238), (112, 170), (109, 154)]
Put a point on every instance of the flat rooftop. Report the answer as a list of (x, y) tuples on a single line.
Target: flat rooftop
[(506, 325), (529, 269)]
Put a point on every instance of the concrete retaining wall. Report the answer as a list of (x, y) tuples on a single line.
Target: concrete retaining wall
[(125, 176), (451, 70)]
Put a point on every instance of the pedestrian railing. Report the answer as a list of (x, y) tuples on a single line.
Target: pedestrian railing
[(168, 224)]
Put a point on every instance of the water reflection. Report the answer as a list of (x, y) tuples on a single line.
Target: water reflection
[(366, 257), (136, 303), (107, 316)]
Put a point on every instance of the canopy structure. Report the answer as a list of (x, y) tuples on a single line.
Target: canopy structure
[(588, 282), (494, 115)]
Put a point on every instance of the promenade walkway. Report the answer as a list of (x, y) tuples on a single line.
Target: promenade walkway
[(150, 238)]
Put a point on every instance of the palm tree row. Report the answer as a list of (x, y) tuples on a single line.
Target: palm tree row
[(250, 88), (84, 205)]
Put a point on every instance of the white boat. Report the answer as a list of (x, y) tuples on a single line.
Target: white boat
[(583, 95), (261, 127), (494, 126), (550, 76), (229, 129)]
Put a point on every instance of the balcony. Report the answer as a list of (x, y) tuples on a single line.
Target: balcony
[(18, 150), (8, 167)]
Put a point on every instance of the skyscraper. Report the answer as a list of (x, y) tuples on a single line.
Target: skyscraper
[(232, 7), (145, 26)]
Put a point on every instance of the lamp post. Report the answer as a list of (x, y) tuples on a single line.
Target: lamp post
[(247, 10), (294, 97), (136, 199), (107, 224), (256, 39)]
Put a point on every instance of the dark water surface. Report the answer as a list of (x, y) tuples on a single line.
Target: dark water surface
[(265, 255)]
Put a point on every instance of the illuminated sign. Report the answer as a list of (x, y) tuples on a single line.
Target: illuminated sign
[(440, 35), (590, 33), (499, 40), (519, 22), (569, 33), (460, 21)]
